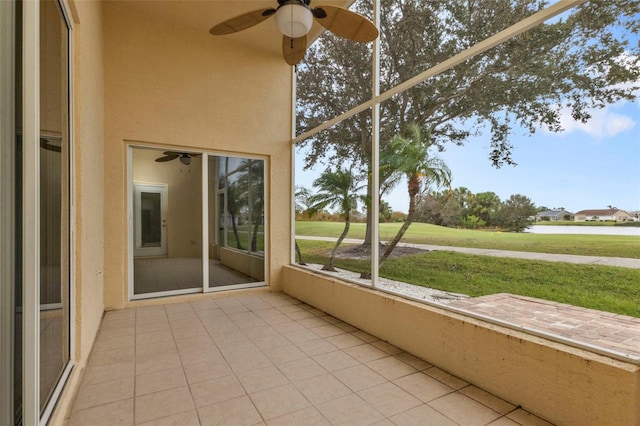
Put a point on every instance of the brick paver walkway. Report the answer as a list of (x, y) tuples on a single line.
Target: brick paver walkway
[(606, 330)]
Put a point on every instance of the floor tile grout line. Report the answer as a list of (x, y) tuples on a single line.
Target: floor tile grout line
[(233, 372), (388, 355), (182, 366), (500, 415), (395, 356), (480, 402), (290, 382), (506, 415), (245, 389), (250, 307)]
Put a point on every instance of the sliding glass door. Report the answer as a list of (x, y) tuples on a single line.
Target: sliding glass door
[(235, 222), (54, 200), (174, 250), (167, 222), (10, 382), (35, 224)]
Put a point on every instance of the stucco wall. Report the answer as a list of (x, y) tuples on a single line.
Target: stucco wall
[(562, 384), (169, 86), (88, 176)]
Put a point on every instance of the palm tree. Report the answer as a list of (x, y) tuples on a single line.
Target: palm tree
[(234, 205), (249, 193), (408, 155), (337, 190), (302, 195), (256, 175)]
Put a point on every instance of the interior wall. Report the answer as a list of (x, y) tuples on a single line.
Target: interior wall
[(171, 86), (184, 199)]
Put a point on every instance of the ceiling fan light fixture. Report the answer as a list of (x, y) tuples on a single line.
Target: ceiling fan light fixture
[(185, 159), (294, 20)]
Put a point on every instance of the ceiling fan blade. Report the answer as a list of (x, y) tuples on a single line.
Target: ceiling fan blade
[(46, 144), (293, 49), (346, 23), (242, 22), (167, 157)]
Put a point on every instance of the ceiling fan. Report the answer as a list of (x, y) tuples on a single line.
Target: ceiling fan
[(185, 157), (51, 144), (295, 17)]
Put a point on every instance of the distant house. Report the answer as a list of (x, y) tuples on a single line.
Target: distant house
[(603, 215), (554, 215)]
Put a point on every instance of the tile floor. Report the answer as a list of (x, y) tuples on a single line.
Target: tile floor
[(151, 275), (264, 358)]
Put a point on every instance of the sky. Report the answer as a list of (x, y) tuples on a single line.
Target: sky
[(588, 166)]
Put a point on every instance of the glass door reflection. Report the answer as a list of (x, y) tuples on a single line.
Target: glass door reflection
[(236, 222), (167, 227), (167, 230)]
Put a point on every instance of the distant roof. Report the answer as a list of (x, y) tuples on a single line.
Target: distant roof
[(552, 212), (600, 212)]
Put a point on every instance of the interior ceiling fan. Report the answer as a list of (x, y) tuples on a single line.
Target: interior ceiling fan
[(185, 157), (295, 17), (51, 144)]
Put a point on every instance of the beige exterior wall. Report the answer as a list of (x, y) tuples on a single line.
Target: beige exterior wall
[(170, 86), (89, 173), (562, 384), (622, 216), (87, 104)]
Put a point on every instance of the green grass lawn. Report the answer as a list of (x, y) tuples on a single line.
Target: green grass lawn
[(604, 288), (422, 233), (245, 232)]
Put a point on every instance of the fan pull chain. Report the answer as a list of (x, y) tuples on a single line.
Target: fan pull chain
[(291, 21)]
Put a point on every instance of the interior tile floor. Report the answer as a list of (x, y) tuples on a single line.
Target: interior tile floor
[(152, 275), (266, 358)]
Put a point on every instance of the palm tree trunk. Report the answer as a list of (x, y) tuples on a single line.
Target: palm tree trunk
[(396, 239), (345, 231), (368, 232), (235, 231), (414, 187), (254, 234), (299, 253)]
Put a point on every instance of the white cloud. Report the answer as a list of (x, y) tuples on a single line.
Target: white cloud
[(604, 123)]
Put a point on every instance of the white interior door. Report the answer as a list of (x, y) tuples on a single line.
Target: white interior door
[(150, 223)]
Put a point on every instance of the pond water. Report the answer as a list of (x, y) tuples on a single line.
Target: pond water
[(584, 230)]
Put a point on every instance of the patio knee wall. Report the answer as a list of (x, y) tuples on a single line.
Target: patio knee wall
[(562, 384), (247, 263)]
